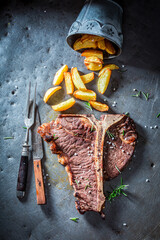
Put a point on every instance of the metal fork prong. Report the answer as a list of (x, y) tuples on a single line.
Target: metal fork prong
[(28, 101), (34, 104)]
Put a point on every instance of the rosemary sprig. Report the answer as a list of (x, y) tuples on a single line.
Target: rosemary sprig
[(88, 186), (158, 115), (77, 182), (117, 191), (123, 133), (88, 105), (117, 168), (5, 138), (55, 138), (75, 134), (110, 135), (146, 95), (137, 95), (25, 127), (74, 219), (127, 113)]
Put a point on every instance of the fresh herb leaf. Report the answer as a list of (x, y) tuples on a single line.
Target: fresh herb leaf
[(110, 135), (55, 138), (92, 128), (117, 169), (127, 113), (5, 138), (75, 134), (146, 95), (158, 115), (74, 219), (77, 182), (25, 127), (123, 133), (88, 105), (88, 186), (137, 95), (117, 191)]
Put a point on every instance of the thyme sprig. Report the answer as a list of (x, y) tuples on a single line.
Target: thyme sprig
[(88, 105), (117, 191), (74, 219), (110, 135), (25, 127)]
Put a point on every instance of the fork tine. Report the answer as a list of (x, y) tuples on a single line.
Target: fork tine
[(28, 101), (34, 103)]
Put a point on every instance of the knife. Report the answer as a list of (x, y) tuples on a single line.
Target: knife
[(37, 149)]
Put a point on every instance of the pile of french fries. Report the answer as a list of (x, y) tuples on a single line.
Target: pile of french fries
[(94, 62), (74, 80)]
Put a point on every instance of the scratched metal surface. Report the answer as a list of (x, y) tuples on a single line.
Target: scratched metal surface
[(33, 47)]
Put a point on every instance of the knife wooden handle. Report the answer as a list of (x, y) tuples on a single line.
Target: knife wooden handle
[(22, 177), (39, 182)]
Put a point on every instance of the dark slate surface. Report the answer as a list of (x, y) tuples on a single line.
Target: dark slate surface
[(32, 48)]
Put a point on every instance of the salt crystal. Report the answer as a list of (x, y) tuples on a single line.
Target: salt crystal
[(120, 147), (123, 150), (113, 138), (155, 126), (134, 90), (151, 127), (122, 66), (147, 180), (89, 192), (47, 175), (145, 126), (49, 184), (75, 154), (124, 224), (105, 99)]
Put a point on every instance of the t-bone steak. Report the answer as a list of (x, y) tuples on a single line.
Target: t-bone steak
[(92, 151)]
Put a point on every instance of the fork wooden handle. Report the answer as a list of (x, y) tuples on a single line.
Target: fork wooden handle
[(22, 177), (39, 182)]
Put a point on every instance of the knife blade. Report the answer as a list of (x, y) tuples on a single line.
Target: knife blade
[(37, 150)]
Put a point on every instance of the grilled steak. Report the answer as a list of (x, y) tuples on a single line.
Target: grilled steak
[(79, 141)]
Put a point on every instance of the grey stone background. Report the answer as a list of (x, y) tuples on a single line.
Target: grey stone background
[(33, 48)]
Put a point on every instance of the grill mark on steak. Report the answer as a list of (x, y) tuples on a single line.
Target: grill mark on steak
[(81, 151)]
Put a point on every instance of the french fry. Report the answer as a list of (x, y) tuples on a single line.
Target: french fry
[(109, 47), (92, 53), (50, 92), (58, 78), (103, 81), (93, 63), (109, 66), (77, 79), (87, 77), (93, 66), (87, 95), (79, 45), (101, 44), (68, 82), (99, 106), (64, 105), (92, 60), (90, 38)]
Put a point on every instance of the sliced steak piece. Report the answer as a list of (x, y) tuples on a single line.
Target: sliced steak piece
[(79, 141), (119, 145)]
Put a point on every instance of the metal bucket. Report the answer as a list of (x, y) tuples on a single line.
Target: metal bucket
[(102, 18)]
